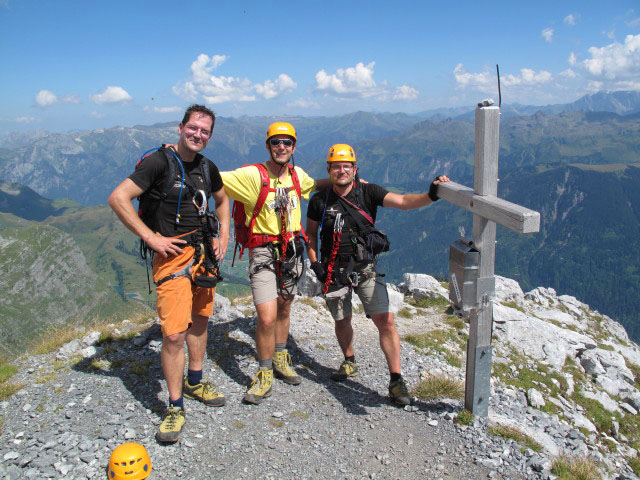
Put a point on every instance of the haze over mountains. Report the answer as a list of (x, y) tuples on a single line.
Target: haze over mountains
[(578, 164)]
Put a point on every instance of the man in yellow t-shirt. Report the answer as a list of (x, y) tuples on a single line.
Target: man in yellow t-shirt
[(273, 277)]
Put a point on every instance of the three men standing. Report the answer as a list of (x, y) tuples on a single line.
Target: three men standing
[(176, 237), (346, 211)]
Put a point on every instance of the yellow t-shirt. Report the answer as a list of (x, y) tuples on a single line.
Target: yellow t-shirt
[(244, 185)]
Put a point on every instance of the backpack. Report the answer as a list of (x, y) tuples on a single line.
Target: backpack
[(243, 234), (150, 200)]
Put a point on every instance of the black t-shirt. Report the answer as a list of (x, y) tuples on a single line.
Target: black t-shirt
[(368, 199), (150, 176)]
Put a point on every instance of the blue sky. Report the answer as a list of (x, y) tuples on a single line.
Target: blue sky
[(83, 65)]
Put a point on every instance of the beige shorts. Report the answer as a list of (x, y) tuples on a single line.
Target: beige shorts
[(265, 284), (372, 293)]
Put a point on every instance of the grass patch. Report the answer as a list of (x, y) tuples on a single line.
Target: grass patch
[(606, 347), (47, 377), (276, 423), (512, 304), (635, 369), (238, 425), (508, 432), (429, 302), (634, 463), (9, 388), (465, 417), (453, 359), (594, 411), (300, 415), (1, 423), (308, 301), (433, 339), (454, 322), (438, 387), (567, 468), (99, 364), (140, 368), (358, 309), (53, 339), (405, 313), (7, 371)]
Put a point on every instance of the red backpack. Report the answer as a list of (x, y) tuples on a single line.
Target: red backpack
[(244, 234)]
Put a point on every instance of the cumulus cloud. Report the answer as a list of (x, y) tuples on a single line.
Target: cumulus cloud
[(218, 89), (634, 23), (527, 77), (616, 61), (572, 59), (111, 95), (477, 81), (162, 109), (358, 82), (547, 34), (46, 98), (270, 89), (568, 73), (570, 19)]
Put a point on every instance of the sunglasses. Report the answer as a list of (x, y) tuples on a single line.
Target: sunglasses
[(277, 141)]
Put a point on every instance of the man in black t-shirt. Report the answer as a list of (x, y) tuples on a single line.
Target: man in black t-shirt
[(346, 212), (183, 307)]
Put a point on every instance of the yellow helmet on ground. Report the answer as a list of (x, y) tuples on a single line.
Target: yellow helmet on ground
[(129, 461), (281, 128), (341, 152)]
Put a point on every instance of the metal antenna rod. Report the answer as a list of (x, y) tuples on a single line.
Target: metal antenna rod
[(499, 90)]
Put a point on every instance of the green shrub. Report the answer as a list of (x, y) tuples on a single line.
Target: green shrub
[(465, 417), (508, 432), (567, 468), (438, 387)]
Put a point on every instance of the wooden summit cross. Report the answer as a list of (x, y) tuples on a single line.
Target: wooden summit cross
[(488, 210)]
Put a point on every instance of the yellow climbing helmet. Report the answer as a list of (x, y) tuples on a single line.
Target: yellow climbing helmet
[(341, 152), (129, 461), (281, 128)]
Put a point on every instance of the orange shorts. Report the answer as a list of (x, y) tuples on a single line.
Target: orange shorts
[(178, 299)]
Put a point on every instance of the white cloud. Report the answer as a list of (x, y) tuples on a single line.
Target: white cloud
[(547, 34), (615, 61), (572, 59), (634, 23), (111, 95), (162, 109), (477, 81), (611, 34), (303, 103), (358, 82), (570, 19), (46, 98), (97, 114), (405, 92), (218, 89), (27, 119), (568, 73), (270, 89), (527, 77)]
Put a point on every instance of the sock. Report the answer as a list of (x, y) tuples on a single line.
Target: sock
[(265, 364), (177, 403), (194, 377), (352, 358), (281, 347), (395, 377)]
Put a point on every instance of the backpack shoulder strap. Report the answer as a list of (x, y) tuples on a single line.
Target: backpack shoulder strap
[(206, 173), (295, 180), (265, 183)]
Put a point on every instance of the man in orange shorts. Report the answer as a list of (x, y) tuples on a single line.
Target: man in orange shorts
[(173, 229)]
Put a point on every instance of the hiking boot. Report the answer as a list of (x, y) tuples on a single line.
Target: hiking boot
[(171, 426), (260, 387), (283, 370), (204, 392), (399, 393), (346, 370)]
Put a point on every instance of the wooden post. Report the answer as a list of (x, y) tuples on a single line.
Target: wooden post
[(487, 210)]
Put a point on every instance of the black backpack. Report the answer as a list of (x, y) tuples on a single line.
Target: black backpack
[(150, 200)]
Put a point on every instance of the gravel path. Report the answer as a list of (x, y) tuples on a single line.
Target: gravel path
[(66, 422)]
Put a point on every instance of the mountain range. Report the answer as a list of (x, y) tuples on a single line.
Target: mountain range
[(578, 168)]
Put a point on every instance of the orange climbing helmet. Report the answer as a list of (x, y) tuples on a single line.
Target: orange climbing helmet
[(129, 461), (341, 152), (281, 128)]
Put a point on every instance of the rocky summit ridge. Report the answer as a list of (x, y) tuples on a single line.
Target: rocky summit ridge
[(564, 382)]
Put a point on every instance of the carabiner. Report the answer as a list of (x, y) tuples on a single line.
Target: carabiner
[(202, 209)]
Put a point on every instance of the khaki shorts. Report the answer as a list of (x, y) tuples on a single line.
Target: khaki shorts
[(265, 285), (179, 299), (372, 293)]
